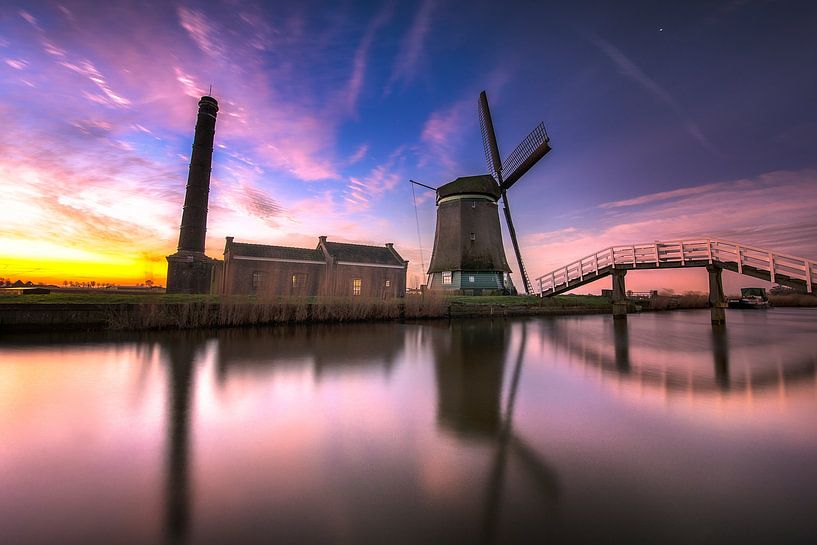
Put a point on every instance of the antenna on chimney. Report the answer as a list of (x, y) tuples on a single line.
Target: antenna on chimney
[(210, 92)]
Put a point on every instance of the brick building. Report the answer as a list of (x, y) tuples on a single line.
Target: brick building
[(332, 268)]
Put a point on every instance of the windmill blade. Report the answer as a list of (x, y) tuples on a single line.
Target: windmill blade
[(526, 154), (486, 126)]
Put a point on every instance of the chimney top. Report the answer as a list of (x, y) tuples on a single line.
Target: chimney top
[(389, 244), (322, 238), (208, 101)]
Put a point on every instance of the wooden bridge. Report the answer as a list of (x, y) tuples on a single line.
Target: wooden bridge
[(716, 255)]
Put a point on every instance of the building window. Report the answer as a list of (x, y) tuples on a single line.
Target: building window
[(473, 236), (473, 204), (257, 280), (298, 280), (357, 284), (447, 277), (388, 283), (471, 279)]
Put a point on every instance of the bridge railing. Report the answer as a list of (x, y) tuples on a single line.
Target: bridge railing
[(680, 253)]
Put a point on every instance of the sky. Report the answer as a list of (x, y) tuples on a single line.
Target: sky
[(667, 120)]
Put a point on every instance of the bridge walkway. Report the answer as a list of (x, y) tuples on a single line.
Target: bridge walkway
[(788, 270)]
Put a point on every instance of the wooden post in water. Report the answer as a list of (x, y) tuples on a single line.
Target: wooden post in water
[(717, 299), (619, 294)]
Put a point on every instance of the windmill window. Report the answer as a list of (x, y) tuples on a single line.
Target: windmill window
[(473, 236), (357, 285), (471, 279), (388, 283), (447, 277), (473, 204), (257, 280)]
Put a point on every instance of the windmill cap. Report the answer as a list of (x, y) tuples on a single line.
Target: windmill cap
[(480, 185)]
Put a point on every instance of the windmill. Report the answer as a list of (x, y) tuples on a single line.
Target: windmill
[(468, 254)]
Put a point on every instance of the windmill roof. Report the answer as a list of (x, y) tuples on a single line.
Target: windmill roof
[(276, 252), (483, 184), (360, 253)]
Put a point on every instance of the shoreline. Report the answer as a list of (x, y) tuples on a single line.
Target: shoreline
[(49, 314), (198, 314)]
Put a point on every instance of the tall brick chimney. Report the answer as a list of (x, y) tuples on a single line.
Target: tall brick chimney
[(189, 270)]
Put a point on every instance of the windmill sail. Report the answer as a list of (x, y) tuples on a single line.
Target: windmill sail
[(486, 126), (526, 154)]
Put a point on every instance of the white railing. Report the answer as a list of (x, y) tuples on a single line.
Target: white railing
[(683, 253)]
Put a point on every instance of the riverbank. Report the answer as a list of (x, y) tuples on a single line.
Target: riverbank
[(139, 312), (100, 312)]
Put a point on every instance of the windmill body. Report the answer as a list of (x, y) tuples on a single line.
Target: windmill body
[(468, 255)]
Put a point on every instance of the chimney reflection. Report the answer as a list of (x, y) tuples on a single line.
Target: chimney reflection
[(180, 350)]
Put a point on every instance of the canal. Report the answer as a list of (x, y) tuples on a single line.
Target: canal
[(584, 429)]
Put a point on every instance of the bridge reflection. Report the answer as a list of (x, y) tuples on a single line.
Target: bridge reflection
[(670, 371)]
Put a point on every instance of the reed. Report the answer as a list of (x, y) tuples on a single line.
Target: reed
[(793, 300), (232, 312)]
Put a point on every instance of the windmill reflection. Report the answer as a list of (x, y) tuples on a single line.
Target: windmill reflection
[(470, 359)]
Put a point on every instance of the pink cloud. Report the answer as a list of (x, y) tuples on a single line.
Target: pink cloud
[(442, 135)]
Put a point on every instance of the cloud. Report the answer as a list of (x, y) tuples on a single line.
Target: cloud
[(358, 155), (359, 62), (201, 31), (411, 49), (628, 68), (442, 135), (108, 96), (381, 179)]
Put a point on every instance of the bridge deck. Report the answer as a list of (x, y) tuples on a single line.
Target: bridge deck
[(763, 264)]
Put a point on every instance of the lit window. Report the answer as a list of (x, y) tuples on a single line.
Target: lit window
[(257, 280), (388, 283), (473, 236), (298, 280), (447, 277), (471, 279), (357, 284)]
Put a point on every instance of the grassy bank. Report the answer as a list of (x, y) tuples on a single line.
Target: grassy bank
[(158, 311)]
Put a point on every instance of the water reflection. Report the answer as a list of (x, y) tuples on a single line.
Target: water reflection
[(463, 432), (180, 352), (674, 363), (323, 348), (470, 358)]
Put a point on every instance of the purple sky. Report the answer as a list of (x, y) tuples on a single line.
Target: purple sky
[(667, 120)]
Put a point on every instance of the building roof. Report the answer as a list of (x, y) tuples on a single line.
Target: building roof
[(359, 253), (276, 252), (341, 251), (483, 184)]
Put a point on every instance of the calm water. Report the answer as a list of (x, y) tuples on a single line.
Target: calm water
[(575, 429)]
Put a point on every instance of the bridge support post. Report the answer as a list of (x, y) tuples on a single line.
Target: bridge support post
[(717, 299), (619, 294)]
